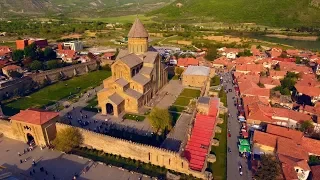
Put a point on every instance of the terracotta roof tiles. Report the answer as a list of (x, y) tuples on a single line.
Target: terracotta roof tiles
[(34, 116)]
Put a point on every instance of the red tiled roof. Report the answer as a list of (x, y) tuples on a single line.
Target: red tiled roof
[(265, 139), (285, 132), (257, 68), (188, 62), (11, 67), (311, 145), (269, 81), (67, 53), (277, 73), (108, 54), (248, 77), (34, 116), (290, 148), (222, 61), (200, 140), (293, 67), (308, 90), (252, 89), (315, 170)]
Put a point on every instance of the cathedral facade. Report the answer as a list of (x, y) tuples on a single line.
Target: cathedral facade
[(137, 75)]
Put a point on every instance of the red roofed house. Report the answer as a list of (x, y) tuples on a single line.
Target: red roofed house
[(185, 62), (290, 147), (269, 83), (5, 50), (277, 74), (275, 52), (293, 67), (311, 91), (250, 68), (35, 125), (108, 55), (250, 88), (66, 55), (221, 63), (10, 68)]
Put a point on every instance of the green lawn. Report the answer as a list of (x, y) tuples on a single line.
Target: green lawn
[(215, 81), (176, 108), (55, 92), (192, 93), (219, 168), (182, 101), (134, 117)]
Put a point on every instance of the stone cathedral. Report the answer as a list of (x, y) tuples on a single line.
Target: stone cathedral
[(137, 75)]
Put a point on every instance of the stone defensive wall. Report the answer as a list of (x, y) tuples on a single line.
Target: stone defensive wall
[(16, 85), (7, 130), (69, 71), (128, 149)]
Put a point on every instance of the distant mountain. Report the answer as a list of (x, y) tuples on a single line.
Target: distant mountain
[(281, 13), (77, 8)]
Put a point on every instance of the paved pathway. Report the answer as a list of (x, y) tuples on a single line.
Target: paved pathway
[(62, 166), (233, 158)]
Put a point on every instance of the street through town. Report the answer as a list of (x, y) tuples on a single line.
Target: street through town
[(233, 158)]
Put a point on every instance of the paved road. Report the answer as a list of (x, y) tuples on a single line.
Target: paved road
[(62, 166), (233, 158)]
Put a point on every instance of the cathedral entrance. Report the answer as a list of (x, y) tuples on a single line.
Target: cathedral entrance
[(30, 139), (109, 109)]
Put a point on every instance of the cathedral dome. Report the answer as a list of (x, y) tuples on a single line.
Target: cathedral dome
[(137, 30)]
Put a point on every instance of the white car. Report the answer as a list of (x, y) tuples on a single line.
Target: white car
[(107, 119)]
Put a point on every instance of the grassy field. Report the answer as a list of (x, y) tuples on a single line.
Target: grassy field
[(182, 101), (92, 105), (284, 13), (121, 19), (192, 93), (134, 117), (55, 92), (219, 168)]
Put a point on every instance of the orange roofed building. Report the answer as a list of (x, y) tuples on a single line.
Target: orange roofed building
[(41, 43), (35, 125), (290, 147), (185, 62)]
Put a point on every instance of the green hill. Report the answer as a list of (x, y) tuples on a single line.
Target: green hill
[(280, 13), (78, 8)]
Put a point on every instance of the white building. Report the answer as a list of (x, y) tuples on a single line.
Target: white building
[(74, 45)]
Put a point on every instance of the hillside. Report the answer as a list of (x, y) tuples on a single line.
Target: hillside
[(77, 8), (280, 13)]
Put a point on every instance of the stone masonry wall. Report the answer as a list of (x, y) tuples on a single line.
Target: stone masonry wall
[(69, 71), (7, 130), (145, 153)]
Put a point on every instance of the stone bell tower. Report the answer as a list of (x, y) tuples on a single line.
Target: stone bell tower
[(138, 38)]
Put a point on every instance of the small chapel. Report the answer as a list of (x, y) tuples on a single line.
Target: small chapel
[(137, 75)]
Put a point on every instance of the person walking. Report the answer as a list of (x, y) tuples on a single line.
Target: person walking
[(19, 154)]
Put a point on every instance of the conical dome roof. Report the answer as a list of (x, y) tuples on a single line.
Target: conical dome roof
[(137, 30)]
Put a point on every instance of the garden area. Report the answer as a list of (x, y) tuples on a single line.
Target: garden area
[(184, 99), (215, 81), (219, 168), (133, 117), (57, 91)]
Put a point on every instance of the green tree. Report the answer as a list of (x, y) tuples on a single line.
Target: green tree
[(215, 81), (17, 55), (260, 84), (178, 71), (269, 168), (36, 65), (212, 53), (160, 119), (307, 127), (314, 160), (246, 52), (67, 139), (52, 64), (31, 51)]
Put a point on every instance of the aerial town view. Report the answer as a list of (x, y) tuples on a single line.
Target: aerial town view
[(159, 89)]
